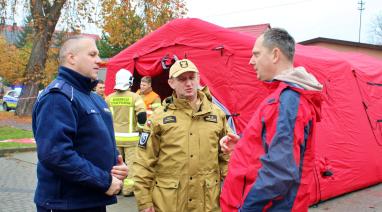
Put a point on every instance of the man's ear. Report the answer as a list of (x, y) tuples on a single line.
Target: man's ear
[(276, 54), (70, 58), (171, 82)]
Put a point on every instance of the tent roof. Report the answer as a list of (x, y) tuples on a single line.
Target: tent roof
[(189, 31), (253, 30), (231, 77)]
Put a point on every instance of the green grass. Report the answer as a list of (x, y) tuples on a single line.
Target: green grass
[(12, 145), (14, 133)]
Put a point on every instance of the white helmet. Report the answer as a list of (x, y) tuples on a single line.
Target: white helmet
[(123, 80)]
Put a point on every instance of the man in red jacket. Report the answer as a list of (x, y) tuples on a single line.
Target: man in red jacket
[(272, 163)]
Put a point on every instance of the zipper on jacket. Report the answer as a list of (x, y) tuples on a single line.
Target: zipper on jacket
[(245, 182), (242, 193)]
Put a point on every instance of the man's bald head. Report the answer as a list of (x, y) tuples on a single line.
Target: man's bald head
[(81, 55), (71, 45)]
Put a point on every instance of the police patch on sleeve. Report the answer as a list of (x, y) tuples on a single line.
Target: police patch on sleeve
[(143, 140)]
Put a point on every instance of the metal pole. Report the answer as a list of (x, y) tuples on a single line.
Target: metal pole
[(360, 8)]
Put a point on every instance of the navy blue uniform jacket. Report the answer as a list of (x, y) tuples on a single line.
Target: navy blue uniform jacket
[(75, 144)]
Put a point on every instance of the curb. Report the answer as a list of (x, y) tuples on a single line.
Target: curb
[(20, 140), (6, 151)]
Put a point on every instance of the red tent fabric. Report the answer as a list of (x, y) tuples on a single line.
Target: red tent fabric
[(349, 137)]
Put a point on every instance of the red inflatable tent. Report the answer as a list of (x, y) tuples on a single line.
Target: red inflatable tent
[(349, 137)]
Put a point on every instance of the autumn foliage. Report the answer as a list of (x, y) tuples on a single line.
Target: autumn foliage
[(124, 22), (127, 21), (13, 62)]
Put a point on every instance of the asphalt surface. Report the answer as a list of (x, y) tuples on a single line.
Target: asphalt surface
[(18, 181)]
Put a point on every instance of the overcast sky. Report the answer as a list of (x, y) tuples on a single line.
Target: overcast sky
[(304, 19)]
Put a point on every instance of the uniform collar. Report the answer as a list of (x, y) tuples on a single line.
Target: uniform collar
[(184, 104), (78, 81)]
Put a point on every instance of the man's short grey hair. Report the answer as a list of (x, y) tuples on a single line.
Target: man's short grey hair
[(146, 79), (70, 45), (280, 38)]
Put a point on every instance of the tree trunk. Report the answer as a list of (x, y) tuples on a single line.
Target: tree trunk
[(45, 18), (27, 99)]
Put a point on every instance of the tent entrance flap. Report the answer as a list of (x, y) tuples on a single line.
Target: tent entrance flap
[(371, 94)]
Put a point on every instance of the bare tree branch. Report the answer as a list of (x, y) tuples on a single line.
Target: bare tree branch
[(376, 29)]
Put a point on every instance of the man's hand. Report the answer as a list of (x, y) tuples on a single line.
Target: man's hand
[(115, 187), (150, 209), (228, 142), (120, 171)]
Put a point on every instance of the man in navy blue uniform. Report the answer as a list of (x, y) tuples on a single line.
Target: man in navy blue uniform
[(79, 168)]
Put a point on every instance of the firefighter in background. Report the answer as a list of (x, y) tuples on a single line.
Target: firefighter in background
[(152, 100), (129, 115)]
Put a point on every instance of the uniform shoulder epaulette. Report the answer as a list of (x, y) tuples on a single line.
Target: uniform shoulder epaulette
[(58, 86), (207, 92), (167, 102)]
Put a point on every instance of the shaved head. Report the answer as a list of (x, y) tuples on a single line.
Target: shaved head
[(81, 55), (71, 45)]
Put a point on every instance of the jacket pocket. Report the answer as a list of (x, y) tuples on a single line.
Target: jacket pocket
[(211, 193), (165, 194), (92, 116)]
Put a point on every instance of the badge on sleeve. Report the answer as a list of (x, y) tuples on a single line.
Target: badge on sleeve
[(169, 119), (211, 118), (143, 140)]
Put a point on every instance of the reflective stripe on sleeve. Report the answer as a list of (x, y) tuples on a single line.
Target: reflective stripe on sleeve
[(155, 105), (131, 118), (129, 137)]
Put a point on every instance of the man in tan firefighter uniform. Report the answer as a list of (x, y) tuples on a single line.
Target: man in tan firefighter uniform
[(178, 165), (129, 114), (152, 100)]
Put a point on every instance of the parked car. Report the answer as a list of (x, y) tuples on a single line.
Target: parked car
[(10, 100)]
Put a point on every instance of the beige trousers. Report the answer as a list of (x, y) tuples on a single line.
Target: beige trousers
[(128, 154)]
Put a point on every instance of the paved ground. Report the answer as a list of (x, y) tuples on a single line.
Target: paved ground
[(365, 200), (16, 184), (18, 180)]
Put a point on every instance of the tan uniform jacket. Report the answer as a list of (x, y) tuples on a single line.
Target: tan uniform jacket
[(179, 166), (125, 106)]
